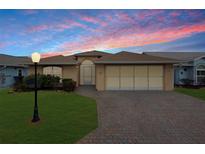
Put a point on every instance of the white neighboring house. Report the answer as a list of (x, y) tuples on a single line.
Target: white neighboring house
[(11, 67), (192, 67)]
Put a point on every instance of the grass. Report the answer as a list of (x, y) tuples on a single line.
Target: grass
[(199, 93), (65, 117)]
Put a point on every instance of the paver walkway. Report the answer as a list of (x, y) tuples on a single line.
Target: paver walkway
[(146, 117)]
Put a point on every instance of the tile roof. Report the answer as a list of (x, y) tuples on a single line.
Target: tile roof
[(133, 58), (187, 56), (9, 60), (58, 60)]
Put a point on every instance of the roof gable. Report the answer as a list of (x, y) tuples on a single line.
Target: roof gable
[(93, 53)]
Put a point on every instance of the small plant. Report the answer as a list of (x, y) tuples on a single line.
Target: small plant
[(69, 85)]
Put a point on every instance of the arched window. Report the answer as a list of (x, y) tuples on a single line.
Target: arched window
[(200, 74), (87, 73), (53, 70)]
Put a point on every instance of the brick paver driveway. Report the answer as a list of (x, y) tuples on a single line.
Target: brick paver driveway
[(146, 117)]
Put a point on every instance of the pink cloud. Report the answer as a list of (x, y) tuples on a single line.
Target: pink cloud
[(148, 13), (56, 53), (124, 17), (93, 20), (38, 28), (66, 24), (6, 43), (133, 39), (175, 13)]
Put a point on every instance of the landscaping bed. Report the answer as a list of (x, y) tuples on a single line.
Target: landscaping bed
[(65, 117)]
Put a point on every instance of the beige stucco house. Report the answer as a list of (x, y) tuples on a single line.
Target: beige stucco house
[(120, 71)]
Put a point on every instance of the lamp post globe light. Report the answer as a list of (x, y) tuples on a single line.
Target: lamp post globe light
[(35, 59)]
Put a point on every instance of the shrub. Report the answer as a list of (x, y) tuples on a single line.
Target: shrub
[(20, 87), (69, 85), (48, 81), (43, 82), (187, 81)]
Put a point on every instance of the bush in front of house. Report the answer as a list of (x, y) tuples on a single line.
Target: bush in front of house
[(48, 81), (69, 85), (44, 82), (187, 81)]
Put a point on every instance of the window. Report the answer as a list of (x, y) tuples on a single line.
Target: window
[(53, 70), (19, 72), (201, 74)]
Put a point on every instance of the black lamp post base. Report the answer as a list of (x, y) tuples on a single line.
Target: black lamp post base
[(35, 119)]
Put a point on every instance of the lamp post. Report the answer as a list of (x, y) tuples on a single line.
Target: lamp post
[(36, 59)]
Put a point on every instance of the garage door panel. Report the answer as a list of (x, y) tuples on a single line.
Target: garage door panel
[(155, 77), (155, 83), (127, 71), (127, 83), (141, 71), (112, 71), (112, 83), (155, 71), (112, 77), (141, 83), (126, 77)]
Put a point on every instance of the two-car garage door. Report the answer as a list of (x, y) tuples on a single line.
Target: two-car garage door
[(135, 77)]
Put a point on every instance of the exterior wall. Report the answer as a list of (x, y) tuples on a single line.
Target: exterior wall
[(183, 72), (31, 70), (7, 75), (100, 77), (168, 77), (71, 72)]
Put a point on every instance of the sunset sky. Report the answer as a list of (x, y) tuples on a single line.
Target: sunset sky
[(53, 32)]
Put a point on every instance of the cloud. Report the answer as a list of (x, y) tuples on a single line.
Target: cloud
[(61, 26), (79, 30), (93, 20), (133, 39), (38, 28)]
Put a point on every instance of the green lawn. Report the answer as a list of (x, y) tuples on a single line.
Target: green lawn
[(65, 117), (199, 93)]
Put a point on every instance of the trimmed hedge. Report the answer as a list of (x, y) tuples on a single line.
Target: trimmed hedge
[(69, 85), (44, 82)]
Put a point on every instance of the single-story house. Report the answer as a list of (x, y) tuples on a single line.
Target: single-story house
[(11, 67), (120, 71), (192, 66)]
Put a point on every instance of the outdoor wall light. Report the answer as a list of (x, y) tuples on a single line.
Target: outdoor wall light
[(36, 59)]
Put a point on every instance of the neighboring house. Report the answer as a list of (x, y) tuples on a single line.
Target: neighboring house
[(192, 67), (121, 71), (11, 67)]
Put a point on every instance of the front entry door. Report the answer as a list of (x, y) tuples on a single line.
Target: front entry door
[(87, 75)]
